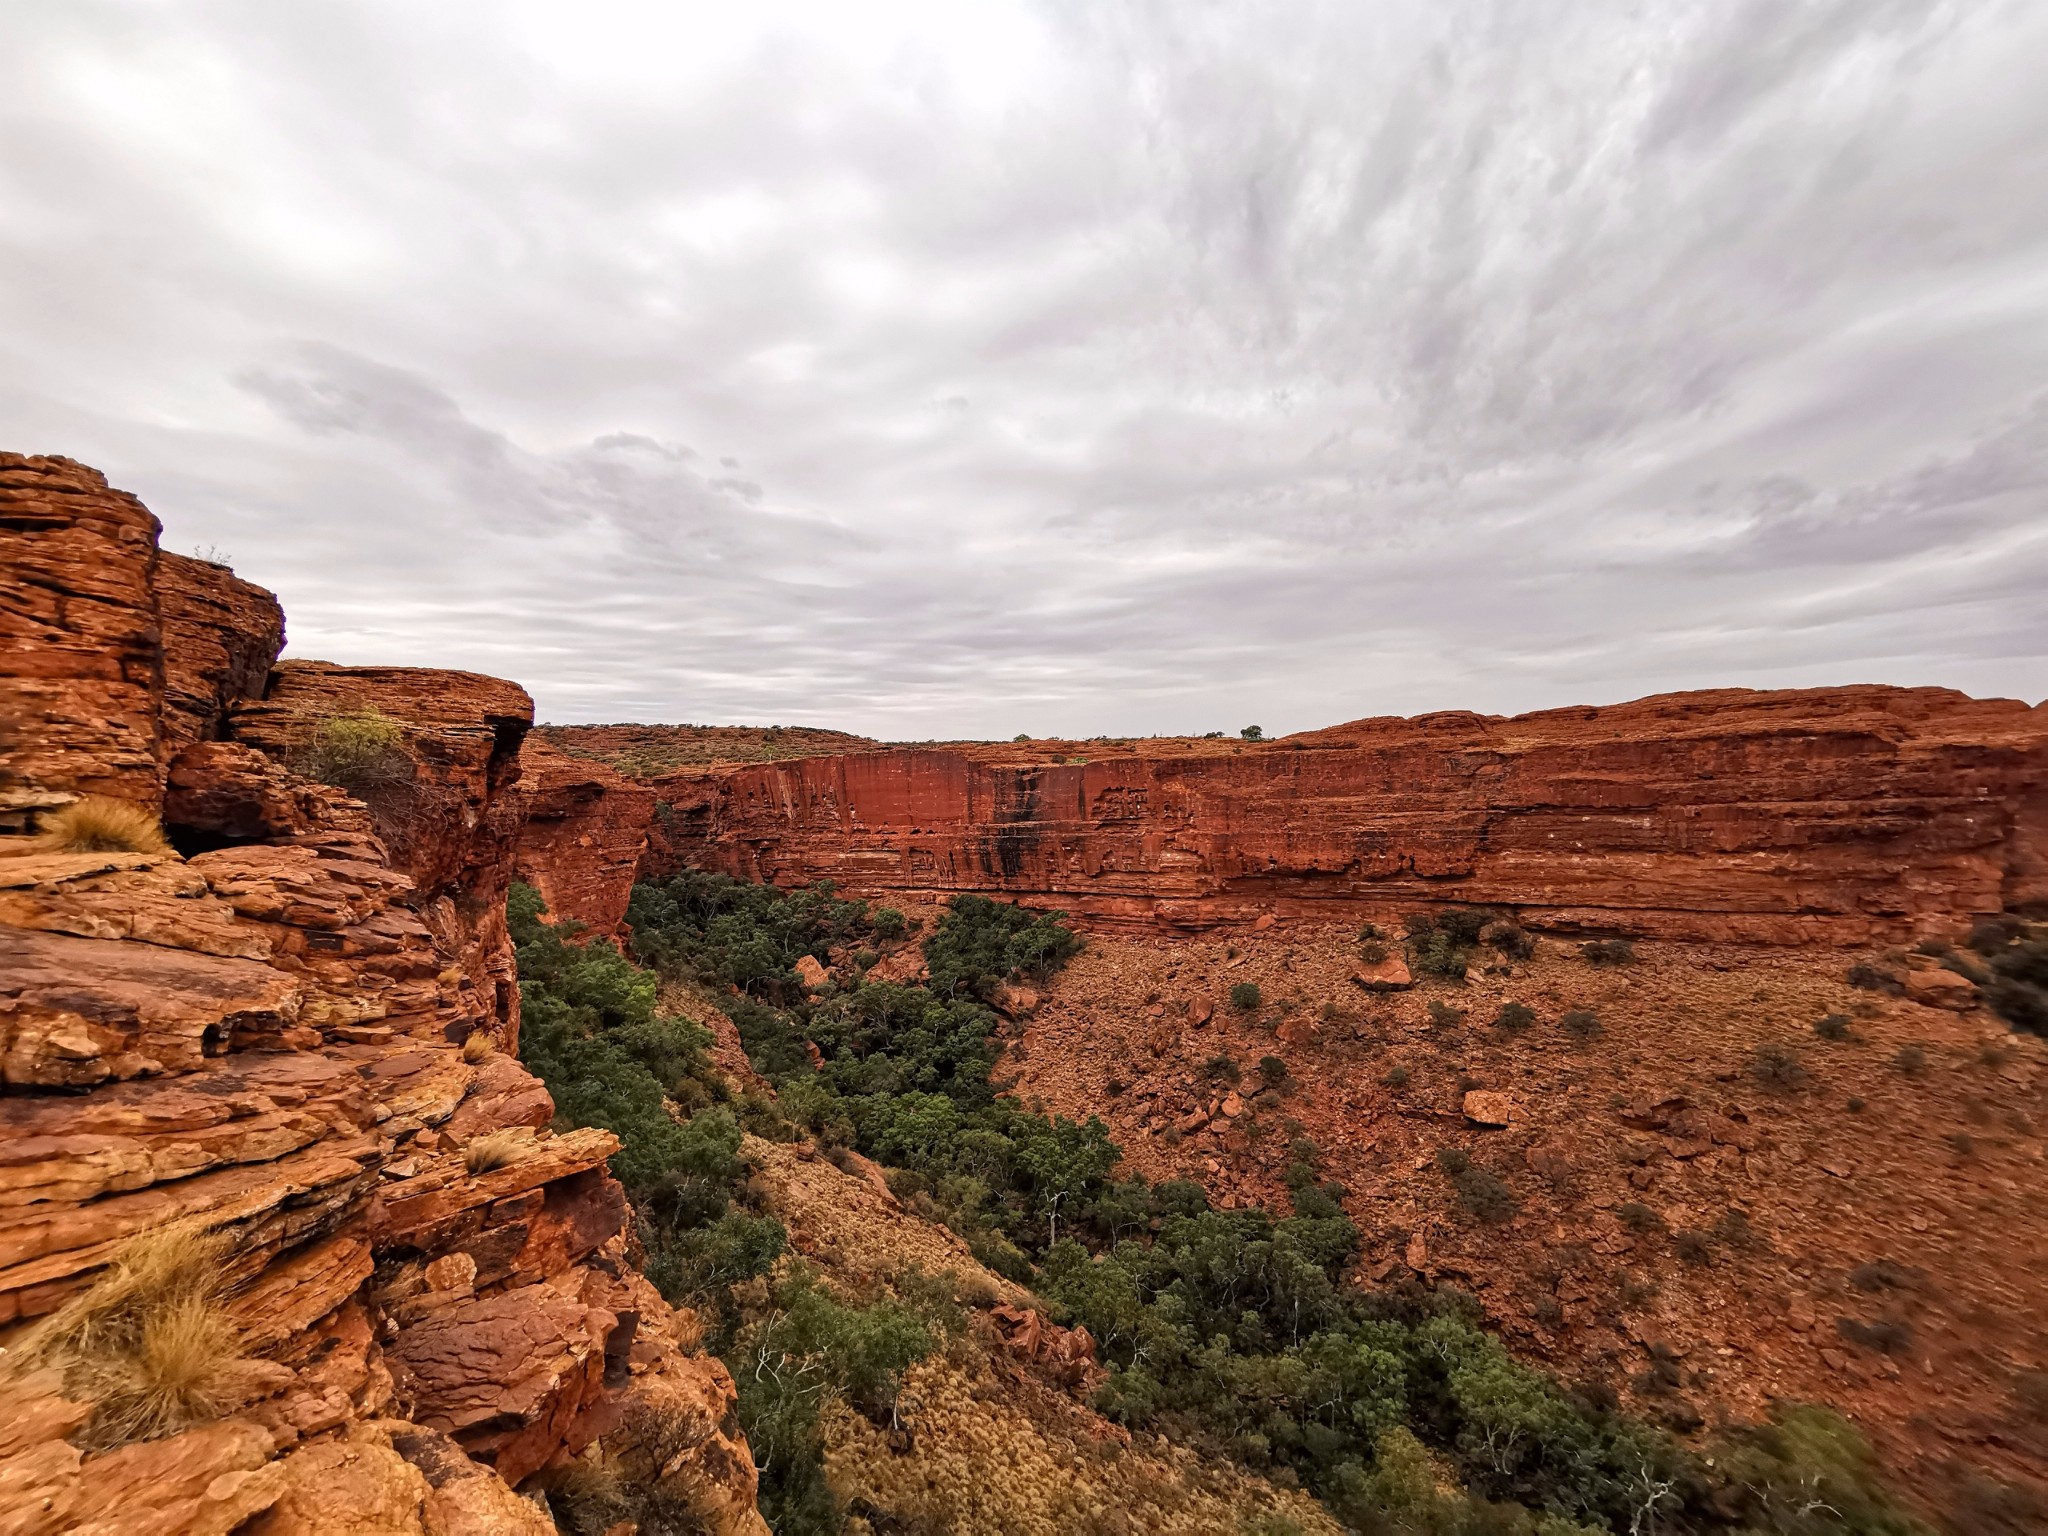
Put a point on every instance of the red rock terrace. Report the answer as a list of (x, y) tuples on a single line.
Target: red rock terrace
[(288, 1032)]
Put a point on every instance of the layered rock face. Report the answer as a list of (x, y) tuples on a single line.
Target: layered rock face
[(586, 828), (295, 1036), (81, 663), (1833, 816)]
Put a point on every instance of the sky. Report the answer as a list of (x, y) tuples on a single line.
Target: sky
[(941, 368)]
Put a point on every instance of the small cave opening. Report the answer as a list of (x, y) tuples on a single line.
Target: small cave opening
[(190, 840)]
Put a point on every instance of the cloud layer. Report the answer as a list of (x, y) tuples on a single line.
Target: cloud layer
[(931, 370)]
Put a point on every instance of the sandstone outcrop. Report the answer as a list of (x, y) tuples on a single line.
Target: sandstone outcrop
[(585, 830), (220, 636), (1831, 816), (81, 662), (287, 1033)]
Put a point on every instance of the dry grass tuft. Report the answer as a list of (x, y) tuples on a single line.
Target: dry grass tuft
[(151, 1342), (99, 824), (477, 1047), (493, 1149)]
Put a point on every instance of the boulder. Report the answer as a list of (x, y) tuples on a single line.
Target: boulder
[(1941, 989), (1483, 1107), (1014, 1000), (1388, 975)]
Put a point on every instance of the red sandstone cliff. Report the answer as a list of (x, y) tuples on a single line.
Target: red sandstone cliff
[(1813, 816), (586, 828), (265, 1039)]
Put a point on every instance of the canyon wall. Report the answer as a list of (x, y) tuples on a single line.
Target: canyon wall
[(289, 1038), (1829, 816), (586, 828)]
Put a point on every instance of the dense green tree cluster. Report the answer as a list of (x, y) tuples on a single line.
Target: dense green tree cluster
[(981, 943), (592, 1031), (750, 936)]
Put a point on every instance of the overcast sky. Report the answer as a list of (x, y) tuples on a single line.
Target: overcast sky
[(932, 369)]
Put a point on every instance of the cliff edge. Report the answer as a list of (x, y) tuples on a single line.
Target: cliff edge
[(259, 1093)]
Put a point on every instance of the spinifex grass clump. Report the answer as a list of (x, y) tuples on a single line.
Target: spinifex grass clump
[(99, 824), (151, 1342), (495, 1149)]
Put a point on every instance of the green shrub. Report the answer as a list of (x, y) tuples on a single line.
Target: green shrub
[(1869, 978), (1886, 1336), (982, 943), (1638, 1217), (1581, 1023), (1832, 1026), (1244, 997), (1252, 733), (2017, 986), (1609, 952), (1440, 944), (362, 751), (1481, 1192), (1514, 1018), (1735, 1229), (590, 1030), (1272, 1071), (1510, 940), (694, 1266), (889, 923), (1693, 1247), (809, 1349), (1911, 1060), (1777, 1066)]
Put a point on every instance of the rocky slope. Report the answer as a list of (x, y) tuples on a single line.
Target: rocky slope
[(1709, 1204), (292, 1033), (1831, 816)]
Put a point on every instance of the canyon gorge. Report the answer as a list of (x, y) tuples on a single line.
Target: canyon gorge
[(1767, 1136)]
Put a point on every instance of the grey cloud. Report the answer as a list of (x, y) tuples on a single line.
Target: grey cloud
[(1085, 368)]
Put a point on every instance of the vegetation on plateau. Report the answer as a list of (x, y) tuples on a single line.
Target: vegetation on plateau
[(361, 751), (1245, 1333)]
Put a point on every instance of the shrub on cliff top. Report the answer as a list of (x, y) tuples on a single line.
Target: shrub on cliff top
[(362, 751)]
